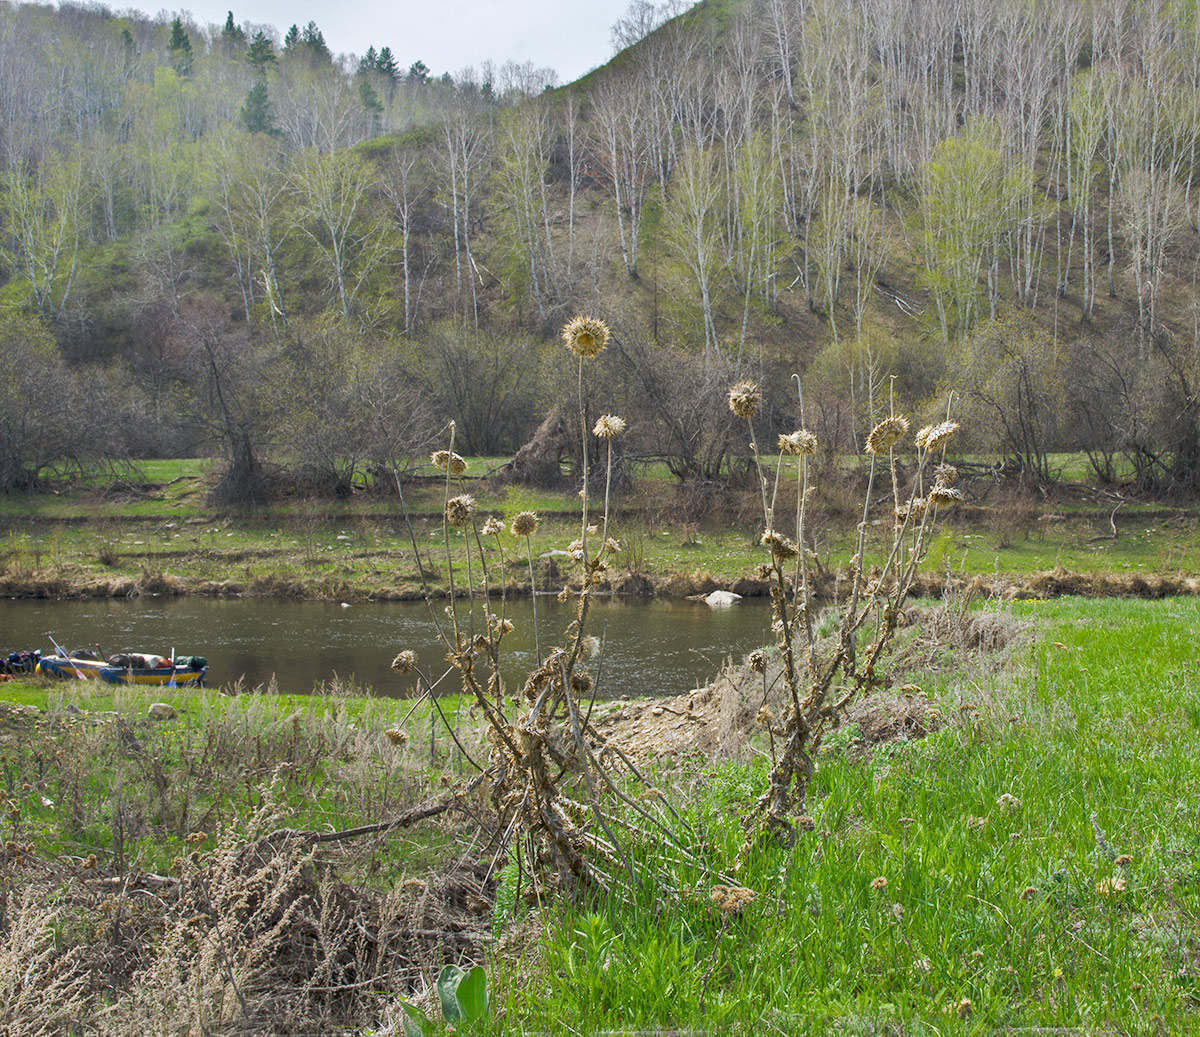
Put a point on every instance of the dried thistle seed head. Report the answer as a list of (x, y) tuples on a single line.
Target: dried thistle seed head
[(731, 900), (459, 510), (502, 626), (941, 494), (405, 662), (396, 736), (591, 645), (757, 661), (946, 474), (765, 716), (585, 336), (448, 461), (564, 594), (887, 434), (800, 443), (492, 526), (879, 882), (525, 524), (609, 426), (913, 509), (581, 682), (592, 530), (744, 399), (613, 545), (763, 571), (933, 436), (782, 548)]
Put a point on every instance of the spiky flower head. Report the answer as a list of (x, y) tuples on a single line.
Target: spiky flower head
[(491, 526), (744, 399), (914, 509), (405, 662), (459, 509), (609, 426), (942, 494), (585, 336), (946, 474), (396, 736), (757, 661), (448, 461), (800, 443), (933, 436), (887, 434), (782, 548), (525, 524)]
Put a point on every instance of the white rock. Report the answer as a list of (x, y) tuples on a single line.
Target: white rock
[(722, 599), (161, 710)]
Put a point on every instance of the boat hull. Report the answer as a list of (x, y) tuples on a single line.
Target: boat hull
[(96, 669)]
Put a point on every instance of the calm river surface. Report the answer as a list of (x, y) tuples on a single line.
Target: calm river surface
[(651, 647)]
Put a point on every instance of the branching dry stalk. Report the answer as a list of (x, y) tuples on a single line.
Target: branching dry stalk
[(541, 743), (822, 678)]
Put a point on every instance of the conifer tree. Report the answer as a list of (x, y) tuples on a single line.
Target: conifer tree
[(180, 48), (261, 52), (257, 114)]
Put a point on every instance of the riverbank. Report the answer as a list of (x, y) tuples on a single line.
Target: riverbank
[(160, 536)]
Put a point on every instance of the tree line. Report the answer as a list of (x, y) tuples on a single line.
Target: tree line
[(244, 237)]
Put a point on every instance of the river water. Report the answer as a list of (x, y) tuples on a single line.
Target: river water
[(650, 647)]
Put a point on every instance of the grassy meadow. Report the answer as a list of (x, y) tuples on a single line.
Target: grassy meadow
[(1025, 859)]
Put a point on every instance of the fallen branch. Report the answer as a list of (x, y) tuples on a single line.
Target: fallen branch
[(421, 812)]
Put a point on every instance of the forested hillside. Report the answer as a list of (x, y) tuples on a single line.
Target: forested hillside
[(227, 240)]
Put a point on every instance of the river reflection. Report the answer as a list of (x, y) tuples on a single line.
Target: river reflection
[(651, 647)]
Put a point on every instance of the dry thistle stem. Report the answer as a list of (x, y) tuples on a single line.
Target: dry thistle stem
[(609, 426), (744, 399), (585, 336), (800, 443), (887, 434), (448, 461), (459, 510)]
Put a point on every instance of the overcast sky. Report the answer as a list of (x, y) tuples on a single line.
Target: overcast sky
[(570, 36)]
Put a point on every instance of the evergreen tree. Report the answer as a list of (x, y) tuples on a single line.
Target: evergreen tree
[(368, 62), (314, 40), (387, 65), (257, 114), (292, 40), (232, 33), (371, 102), (180, 48), (261, 52), (418, 73)]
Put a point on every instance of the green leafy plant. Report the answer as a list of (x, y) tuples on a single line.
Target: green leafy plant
[(463, 996)]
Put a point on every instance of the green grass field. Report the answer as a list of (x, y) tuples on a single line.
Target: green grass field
[(1032, 864)]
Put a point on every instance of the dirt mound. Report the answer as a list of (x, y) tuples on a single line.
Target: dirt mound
[(703, 723)]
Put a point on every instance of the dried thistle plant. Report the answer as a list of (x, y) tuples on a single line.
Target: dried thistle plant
[(823, 676), (542, 750)]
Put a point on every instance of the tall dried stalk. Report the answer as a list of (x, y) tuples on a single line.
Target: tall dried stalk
[(823, 677), (541, 744)]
